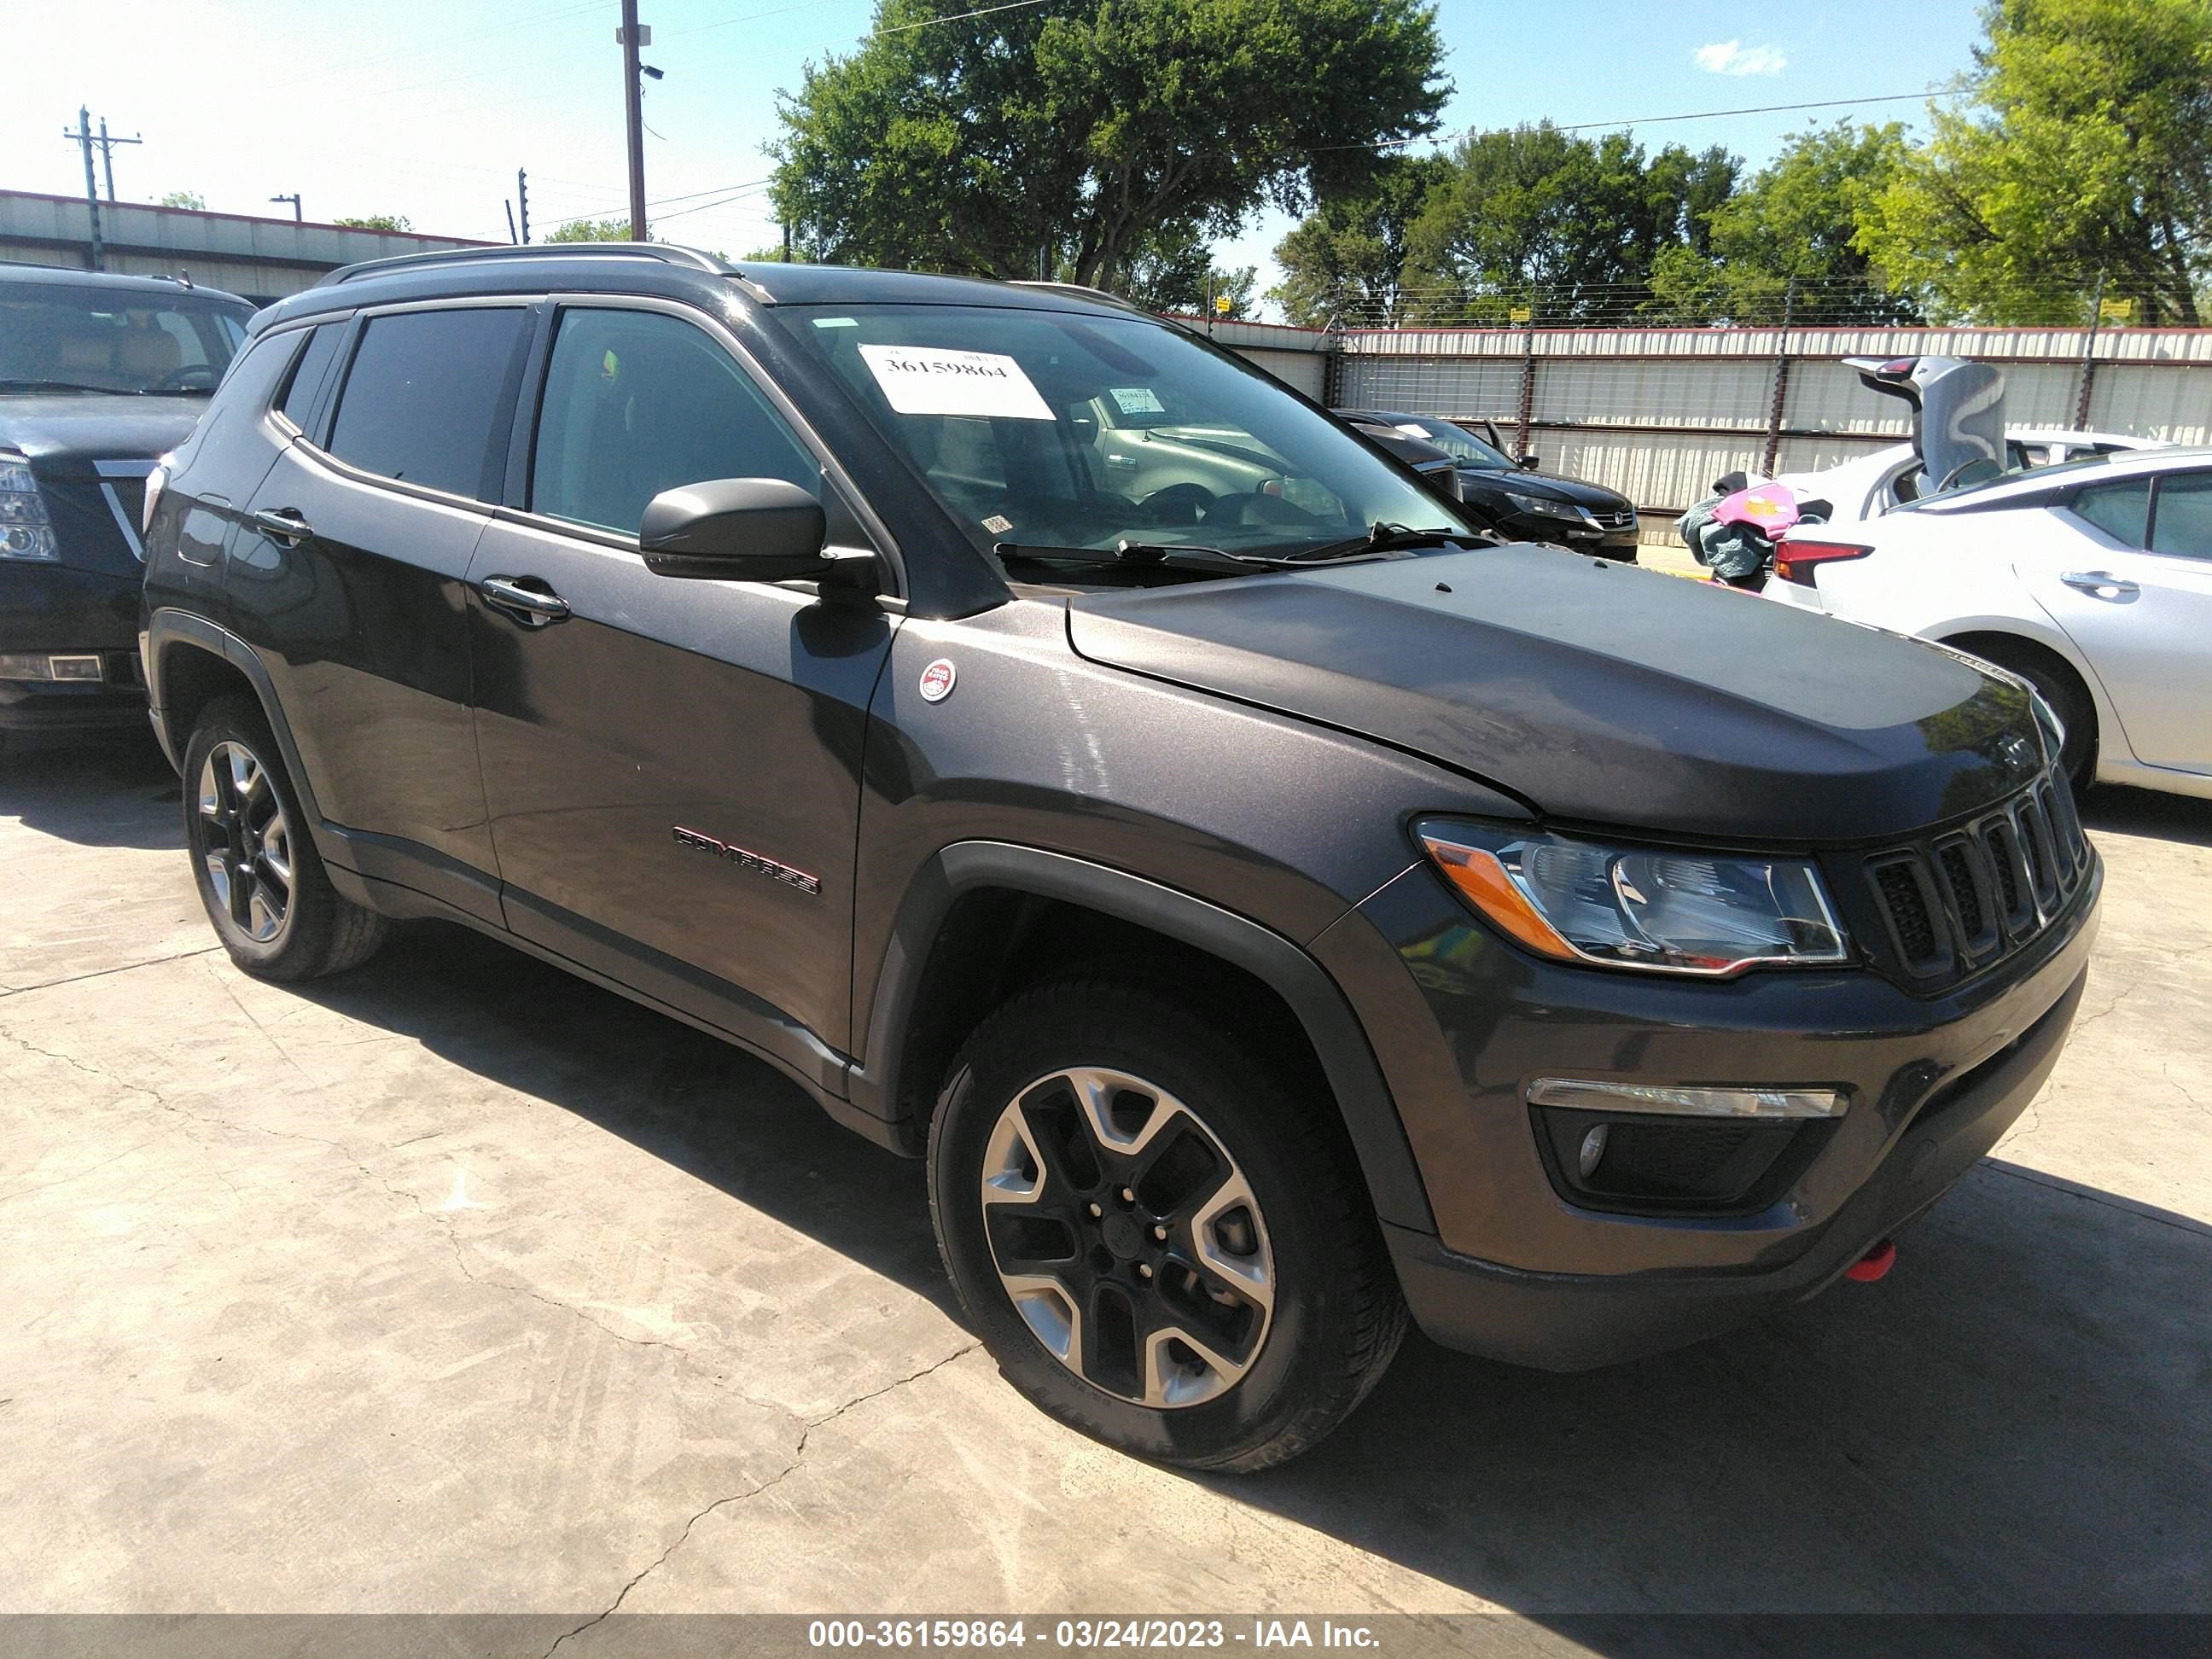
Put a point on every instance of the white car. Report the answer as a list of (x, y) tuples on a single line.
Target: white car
[(1868, 486), (2091, 579)]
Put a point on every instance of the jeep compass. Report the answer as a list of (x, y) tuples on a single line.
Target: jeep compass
[(1074, 759)]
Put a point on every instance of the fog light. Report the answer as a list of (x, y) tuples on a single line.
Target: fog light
[(1593, 1150), (21, 666), (74, 668), (1669, 1100)]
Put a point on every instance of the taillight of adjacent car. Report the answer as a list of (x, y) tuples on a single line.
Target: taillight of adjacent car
[(1796, 560)]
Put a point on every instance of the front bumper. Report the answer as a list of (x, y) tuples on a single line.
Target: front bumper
[(115, 702), (1582, 537), (58, 609), (1517, 1272)]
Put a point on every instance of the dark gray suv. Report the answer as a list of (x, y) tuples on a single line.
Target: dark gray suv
[(1075, 758)]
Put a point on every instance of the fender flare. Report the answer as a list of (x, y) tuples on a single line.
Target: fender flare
[(1371, 1116), (165, 630)]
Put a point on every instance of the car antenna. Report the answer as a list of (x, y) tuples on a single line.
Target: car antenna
[(183, 276)]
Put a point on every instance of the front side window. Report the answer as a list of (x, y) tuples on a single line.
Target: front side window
[(1044, 428), (2121, 510), (66, 336), (421, 403), (2183, 525), (637, 402)]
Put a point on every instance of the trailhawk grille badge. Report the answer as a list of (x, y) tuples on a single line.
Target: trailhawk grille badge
[(937, 680), (746, 860)]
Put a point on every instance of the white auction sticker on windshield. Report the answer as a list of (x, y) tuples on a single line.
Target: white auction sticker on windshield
[(1138, 400), (926, 380)]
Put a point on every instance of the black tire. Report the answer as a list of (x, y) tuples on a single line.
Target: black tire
[(1337, 1314), (2059, 686), (318, 931)]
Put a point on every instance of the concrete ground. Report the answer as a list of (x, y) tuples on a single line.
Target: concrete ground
[(456, 1285)]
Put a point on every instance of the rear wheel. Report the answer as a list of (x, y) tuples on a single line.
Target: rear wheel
[(264, 888), (1155, 1233)]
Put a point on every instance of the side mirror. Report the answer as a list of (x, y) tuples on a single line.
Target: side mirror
[(744, 529), (1530, 463)]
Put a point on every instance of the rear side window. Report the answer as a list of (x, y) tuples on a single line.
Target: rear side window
[(637, 402), (2184, 526), (2121, 511), (315, 363), (423, 399)]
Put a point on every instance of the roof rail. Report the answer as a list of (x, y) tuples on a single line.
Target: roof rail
[(1083, 291), (665, 252)]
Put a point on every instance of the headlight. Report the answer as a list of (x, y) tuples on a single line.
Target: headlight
[(25, 530), (1542, 505), (1672, 912)]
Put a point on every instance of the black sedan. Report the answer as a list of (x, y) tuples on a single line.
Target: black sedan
[(1517, 502)]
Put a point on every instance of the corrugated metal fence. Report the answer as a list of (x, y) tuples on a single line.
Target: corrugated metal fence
[(1658, 414)]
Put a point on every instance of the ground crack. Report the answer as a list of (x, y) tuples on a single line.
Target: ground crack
[(798, 1457)]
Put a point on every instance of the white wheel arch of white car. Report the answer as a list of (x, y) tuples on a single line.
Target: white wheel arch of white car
[(2103, 566)]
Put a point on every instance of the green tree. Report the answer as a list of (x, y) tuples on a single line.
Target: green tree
[(1572, 224), (377, 221), (1081, 131), (185, 198), (1794, 222), (1346, 259), (2085, 146), (590, 230), (1173, 271)]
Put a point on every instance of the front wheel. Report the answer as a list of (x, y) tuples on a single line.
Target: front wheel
[(1158, 1236)]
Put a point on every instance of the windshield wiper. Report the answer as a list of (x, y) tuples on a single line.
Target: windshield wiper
[(1141, 555), (57, 385), (1380, 538)]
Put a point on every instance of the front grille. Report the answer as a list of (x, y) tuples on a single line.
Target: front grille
[(1624, 519), (1967, 899)]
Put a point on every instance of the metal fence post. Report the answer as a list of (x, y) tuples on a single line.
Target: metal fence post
[(1527, 378), (2089, 357), (1781, 381), (1332, 363)]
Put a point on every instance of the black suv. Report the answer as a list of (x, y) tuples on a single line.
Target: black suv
[(1511, 498), (99, 376), (1264, 909)]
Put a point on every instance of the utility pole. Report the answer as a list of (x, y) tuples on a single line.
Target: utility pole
[(787, 241), (522, 201), (632, 37), (98, 258), (298, 216), (510, 236)]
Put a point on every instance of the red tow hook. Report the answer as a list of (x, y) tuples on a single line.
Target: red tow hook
[(1874, 1263)]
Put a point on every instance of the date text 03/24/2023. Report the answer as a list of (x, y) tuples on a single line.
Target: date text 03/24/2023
[(1087, 1634)]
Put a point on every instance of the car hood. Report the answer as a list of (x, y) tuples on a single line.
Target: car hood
[(65, 434), (1599, 694), (1596, 497)]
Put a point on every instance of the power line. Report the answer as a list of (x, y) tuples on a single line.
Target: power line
[(1762, 109), (956, 17)]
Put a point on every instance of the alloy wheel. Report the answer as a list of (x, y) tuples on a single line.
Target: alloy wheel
[(245, 841), (1127, 1238)]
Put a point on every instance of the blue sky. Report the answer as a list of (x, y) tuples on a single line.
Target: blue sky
[(426, 107)]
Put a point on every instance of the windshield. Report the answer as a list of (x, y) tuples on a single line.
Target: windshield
[(1458, 442), (1042, 428), (66, 336)]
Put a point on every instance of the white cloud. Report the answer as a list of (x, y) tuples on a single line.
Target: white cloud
[(1734, 58)]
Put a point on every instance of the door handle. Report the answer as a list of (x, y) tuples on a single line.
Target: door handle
[(2103, 583), (531, 606), (286, 524)]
